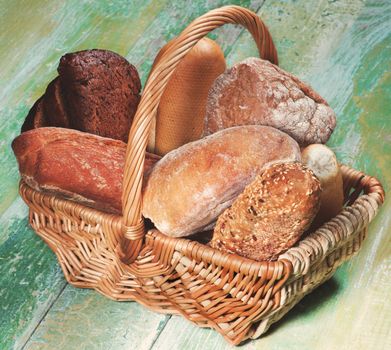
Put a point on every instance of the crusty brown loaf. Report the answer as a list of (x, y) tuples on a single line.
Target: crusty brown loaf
[(192, 185), (323, 162), (54, 106), (181, 112), (35, 117), (76, 165), (97, 91), (271, 214), (101, 91), (255, 91)]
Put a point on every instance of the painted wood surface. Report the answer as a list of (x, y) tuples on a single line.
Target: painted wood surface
[(134, 29), (93, 322), (342, 48)]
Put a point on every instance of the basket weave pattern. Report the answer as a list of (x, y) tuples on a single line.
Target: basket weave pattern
[(240, 298)]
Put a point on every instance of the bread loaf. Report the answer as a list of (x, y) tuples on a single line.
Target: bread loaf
[(181, 112), (255, 91), (54, 106), (192, 185), (271, 214), (323, 162), (75, 165), (35, 117), (97, 91)]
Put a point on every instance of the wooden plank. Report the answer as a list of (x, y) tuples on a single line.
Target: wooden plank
[(83, 319), (30, 278), (63, 28), (334, 25), (343, 50)]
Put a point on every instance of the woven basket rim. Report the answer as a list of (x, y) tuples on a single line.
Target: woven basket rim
[(370, 186), (282, 283)]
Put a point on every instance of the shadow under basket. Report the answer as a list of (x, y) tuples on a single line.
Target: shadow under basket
[(238, 297)]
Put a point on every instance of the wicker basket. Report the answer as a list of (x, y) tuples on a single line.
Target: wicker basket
[(238, 297)]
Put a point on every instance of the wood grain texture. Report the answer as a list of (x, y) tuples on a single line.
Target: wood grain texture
[(137, 30), (341, 48), (35, 40), (30, 278), (83, 319)]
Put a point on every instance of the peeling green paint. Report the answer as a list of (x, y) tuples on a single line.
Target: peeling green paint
[(342, 48)]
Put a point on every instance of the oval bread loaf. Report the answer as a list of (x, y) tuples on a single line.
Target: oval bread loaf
[(191, 186), (256, 92), (76, 165), (180, 116), (323, 162), (271, 214)]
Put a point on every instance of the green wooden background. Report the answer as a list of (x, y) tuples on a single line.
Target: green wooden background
[(342, 48)]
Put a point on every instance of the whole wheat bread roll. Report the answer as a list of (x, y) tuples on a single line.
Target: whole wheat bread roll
[(323, 162), (181, 112), (271, 214), (83, 167), (191, 186), (256, 92)]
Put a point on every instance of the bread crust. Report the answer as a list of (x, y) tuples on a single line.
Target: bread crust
[(97, 91), (192, 185), (181, 112), (256, 92), (323, 162), (271, 214), (76, 165)]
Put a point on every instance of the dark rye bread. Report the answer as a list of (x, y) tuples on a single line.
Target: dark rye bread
[(101, 91), (97, 91), (256, 92), (75, 165), (48, 110), (35, 118), (54, 107), (271, 214)]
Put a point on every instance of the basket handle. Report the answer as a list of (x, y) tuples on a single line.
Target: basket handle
[(132, 226)]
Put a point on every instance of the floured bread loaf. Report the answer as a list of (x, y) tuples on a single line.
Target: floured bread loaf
[(256, 91), (191, 186), (75, 165), (323, 162), (271, 214), (181, 112)]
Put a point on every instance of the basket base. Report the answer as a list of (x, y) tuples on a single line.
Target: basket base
[(237, 297)]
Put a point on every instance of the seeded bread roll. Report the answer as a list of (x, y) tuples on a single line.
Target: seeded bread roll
[(256, 92), (271, 214), (191, 186), (323, 162)]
